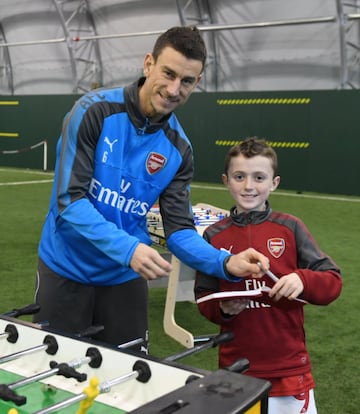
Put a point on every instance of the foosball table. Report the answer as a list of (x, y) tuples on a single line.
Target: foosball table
[(43, 371)]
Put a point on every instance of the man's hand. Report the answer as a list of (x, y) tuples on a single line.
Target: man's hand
[(148, 263), (289, 286), (245, 264)]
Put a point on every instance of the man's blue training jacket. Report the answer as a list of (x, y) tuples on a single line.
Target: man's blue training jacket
[(112, 165)]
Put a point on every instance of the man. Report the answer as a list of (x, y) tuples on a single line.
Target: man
[(120, 151)]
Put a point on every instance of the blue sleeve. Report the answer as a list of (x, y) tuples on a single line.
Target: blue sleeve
[(190, 248), (89, 224)]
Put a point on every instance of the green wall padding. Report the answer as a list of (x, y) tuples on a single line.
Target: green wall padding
[(315, 133)]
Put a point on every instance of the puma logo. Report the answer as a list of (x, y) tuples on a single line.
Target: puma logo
[(107, 141)]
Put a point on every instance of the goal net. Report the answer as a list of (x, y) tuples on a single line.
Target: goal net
[(24, 157)]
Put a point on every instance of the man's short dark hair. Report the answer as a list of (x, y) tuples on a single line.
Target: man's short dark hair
[(185, 39)]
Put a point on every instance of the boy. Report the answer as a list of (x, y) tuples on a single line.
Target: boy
[(269, 331)]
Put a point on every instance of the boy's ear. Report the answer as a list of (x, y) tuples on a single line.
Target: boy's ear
[(275, 183), (224, 179)]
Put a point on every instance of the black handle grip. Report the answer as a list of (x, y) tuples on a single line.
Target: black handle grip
[(26, 310)]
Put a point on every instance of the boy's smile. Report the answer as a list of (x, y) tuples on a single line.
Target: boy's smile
[(250, 181)]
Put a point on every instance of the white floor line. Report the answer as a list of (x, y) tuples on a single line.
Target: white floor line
[(26, 171), (205, 187), (279, 193), (27, 182)]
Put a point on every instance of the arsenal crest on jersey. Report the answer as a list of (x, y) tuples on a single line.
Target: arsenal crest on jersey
[(276, 246), (155, 162)]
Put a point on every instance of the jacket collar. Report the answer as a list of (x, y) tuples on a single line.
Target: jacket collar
[(253, 217), (141, 123)]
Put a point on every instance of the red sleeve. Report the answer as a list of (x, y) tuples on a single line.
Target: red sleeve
[(320, 287), (319, 273)]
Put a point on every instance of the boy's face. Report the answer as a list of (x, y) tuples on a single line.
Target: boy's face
[(169, 82), (250, 181)]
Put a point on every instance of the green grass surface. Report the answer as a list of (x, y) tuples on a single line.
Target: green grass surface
[(332, 332)]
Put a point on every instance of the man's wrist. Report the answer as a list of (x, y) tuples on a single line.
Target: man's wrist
[(228, 274), (226, 261)]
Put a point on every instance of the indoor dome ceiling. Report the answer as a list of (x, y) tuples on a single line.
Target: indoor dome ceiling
[(72, 46)]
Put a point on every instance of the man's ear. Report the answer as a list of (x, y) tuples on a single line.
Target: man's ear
[(199, 79), (148, 62)]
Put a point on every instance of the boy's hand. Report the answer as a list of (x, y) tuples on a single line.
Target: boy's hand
[(289, 286)]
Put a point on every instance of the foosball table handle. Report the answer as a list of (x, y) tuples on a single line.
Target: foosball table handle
[(26, 310)]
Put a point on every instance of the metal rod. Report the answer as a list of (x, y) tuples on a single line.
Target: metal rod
[(207, 28), (103, 387), (215, 27), (62, 404), (131, 343), (291, 22), (33, 42), (342, 44), (36, 377), (45, 374), (21, 353), (211, 343), (107, 385)]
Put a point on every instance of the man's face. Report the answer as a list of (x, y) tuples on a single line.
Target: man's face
[(169, 82)]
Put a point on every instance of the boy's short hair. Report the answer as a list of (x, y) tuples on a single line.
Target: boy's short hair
[(184, 39), (251, 147)]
